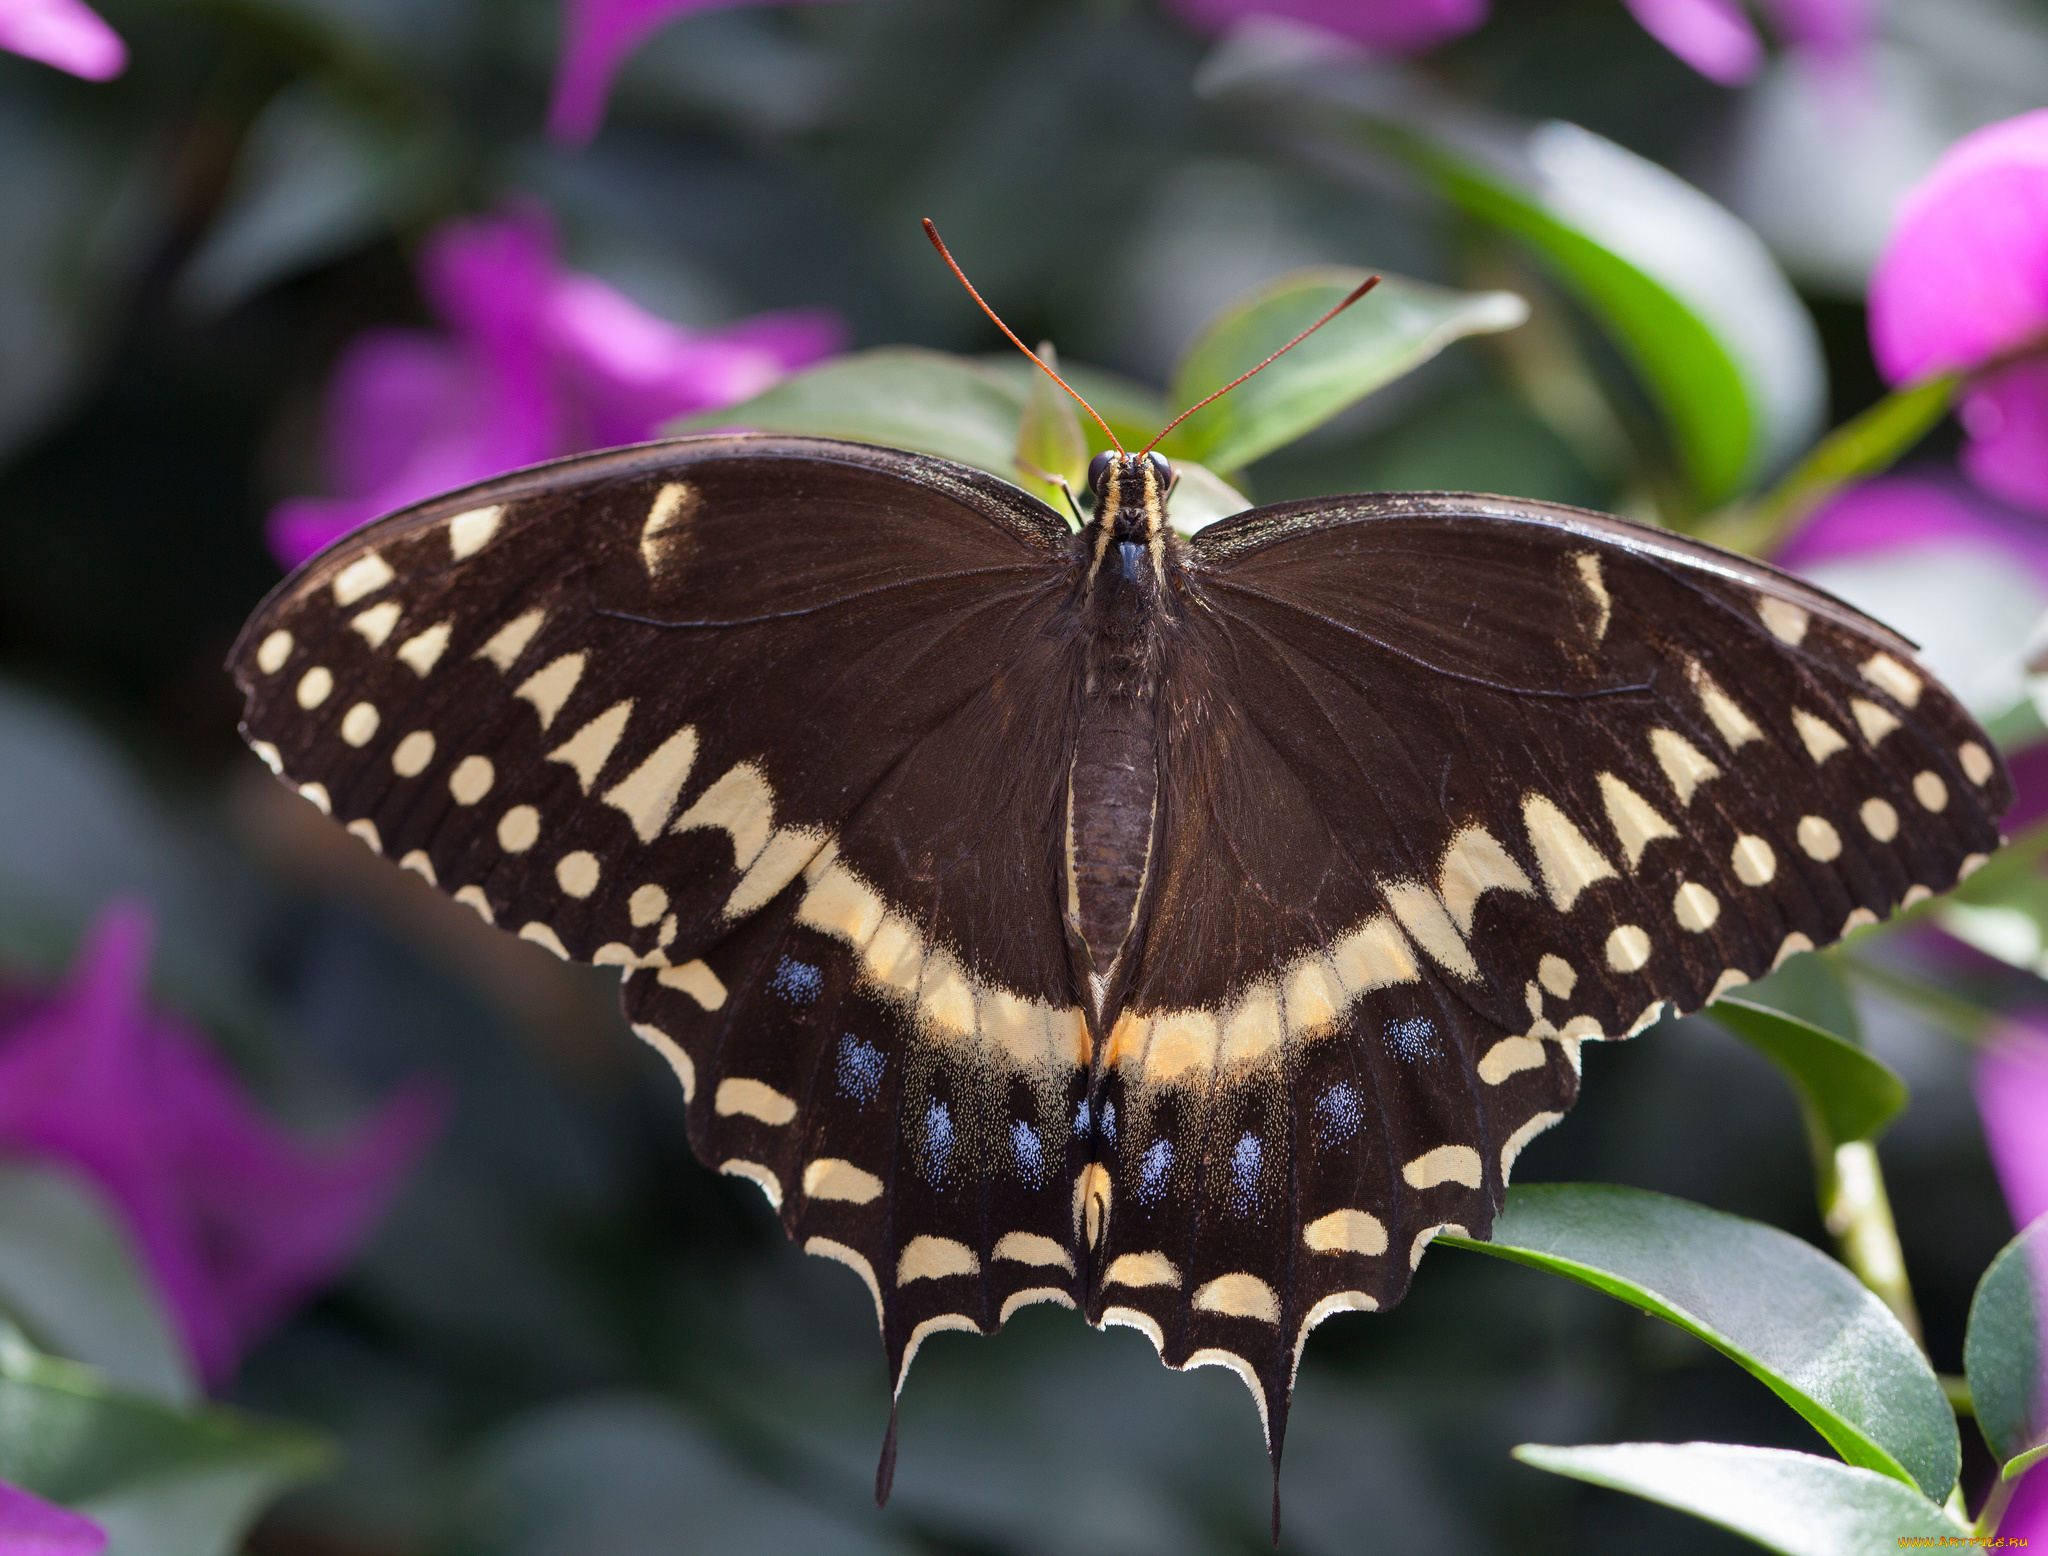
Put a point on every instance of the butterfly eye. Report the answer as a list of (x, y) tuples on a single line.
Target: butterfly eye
[(1162, 472), (1098, 469)]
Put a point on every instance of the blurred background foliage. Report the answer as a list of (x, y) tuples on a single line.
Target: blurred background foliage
[(568, 1337)]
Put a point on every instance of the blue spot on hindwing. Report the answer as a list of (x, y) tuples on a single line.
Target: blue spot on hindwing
[(798, 982), (1153, 1167), (860, 1069), (1245, 1158), (1413, 1039), (938, 1142), (1030, 1152)]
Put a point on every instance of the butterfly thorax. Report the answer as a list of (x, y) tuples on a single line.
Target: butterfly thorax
[(1112, 785)]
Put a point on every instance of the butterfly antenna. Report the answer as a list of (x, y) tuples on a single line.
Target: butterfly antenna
[(1367, 285), (939, 243)]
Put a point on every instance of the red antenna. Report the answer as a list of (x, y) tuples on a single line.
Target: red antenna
[(940, 244), (1367, 285)]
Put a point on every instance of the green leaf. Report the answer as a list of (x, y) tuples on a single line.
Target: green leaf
[(1134, 412), (1049, 439), (1687, 292), (1848, 1094), (1789, 1314), (2005, 1352), (1796, 1503), (160, 1481), (70, 1279), (1393, 330)]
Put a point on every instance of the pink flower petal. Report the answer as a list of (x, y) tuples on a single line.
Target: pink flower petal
[(1895, 511), (1825, 26), (1393, 26), (2006, 416), (1964, 274), (29, 1526), (64, 33), (2011, 1083), (236, 1219), (1712, 36), (2026, 1516), (599, 36)]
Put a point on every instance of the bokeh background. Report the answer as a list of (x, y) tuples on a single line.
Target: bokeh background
[(566, 1336)]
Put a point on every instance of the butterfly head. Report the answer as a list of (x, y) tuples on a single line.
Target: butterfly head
[(1130, 494)]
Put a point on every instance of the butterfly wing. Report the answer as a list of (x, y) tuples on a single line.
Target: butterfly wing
[(778, 727), (1452, 784)]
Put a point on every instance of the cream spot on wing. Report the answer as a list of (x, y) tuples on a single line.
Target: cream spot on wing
[(1736, 727), (1510, 1056), (648, 793), (359, 724), (838, 902), (1092, 1193), (1142, 1269), (1880, 820), (1375, 955), (519, 829), (1134, 1318), (789, 850), (1753, 860), (1182, 1041), (578, 873), (1428, 1235), (1818, 838), (314, 686), (1976, 761), (771, 1185), (1887, 674), (472, 779), (830, 1177), (1915, 893), (591, 746), (1030, 1248), (1568, 862), (509, 641), (684, 1066), (754, 1099), (826, 1248), (1684, 768), (413, 753), (1930, 791), (1429, 925), (269, 755), (1532, 997), (365, 575), (675, 500), (1731, 978), (1445, 1164), (550, 686), (317, 794), (1971, 864), (695, 979), (1512, 1147), (1628, 948), (1329, 1307), (367, 831), (375, 624), (1596, 586), (544, 936), (1695, 908), (423, 652), (1239, 1294), (470, 532), (666, 935), (1557, 975), (1859, 918), (1821, 739), (1875, 722), (473, 896), (1346, 1231), (1314, 999), (1636, 823), (1253, 1028), (742, 804), (274, 650), (647, 904), (1475, 863), (1028, 1296), (1787, 622), (1793, 944), (934, 1258), (420, 865)]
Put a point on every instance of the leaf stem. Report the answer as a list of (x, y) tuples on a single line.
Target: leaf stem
[(1859, 1214), (1993, 1512)]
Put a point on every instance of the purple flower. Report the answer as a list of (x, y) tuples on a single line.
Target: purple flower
[(599, 36), (1964, 278), (1715, 37), (64, 33), (536, 362), (237, 1220), (29, 1526)]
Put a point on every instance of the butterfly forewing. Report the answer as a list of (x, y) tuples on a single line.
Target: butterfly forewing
[(1446, 785)]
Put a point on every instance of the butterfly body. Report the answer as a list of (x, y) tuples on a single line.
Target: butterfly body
[(1183, 931)]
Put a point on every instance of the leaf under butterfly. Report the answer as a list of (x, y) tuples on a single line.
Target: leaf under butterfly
[(2005, 1351)]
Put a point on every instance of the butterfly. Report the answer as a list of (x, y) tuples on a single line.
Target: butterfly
[(1181, 930)]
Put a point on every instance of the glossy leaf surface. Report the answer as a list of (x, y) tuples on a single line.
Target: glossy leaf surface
[(2006, 1352)]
